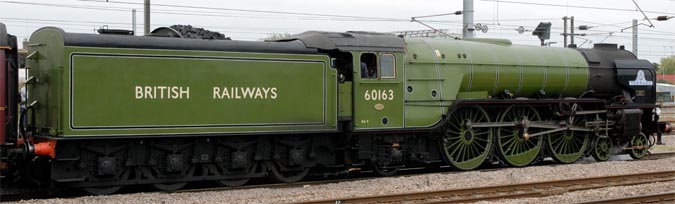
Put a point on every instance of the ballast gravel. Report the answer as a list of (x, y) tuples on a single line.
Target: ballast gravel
[(415, 183)]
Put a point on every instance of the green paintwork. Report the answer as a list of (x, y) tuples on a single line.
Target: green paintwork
[(345, 97), (458, 69), (472, 94), (372, 108), (105, 100)]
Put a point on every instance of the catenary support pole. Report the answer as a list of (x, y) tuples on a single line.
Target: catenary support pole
[(147, 17), (572, 31), (133, 21), (467, 31), (635, 39), (565, 31)]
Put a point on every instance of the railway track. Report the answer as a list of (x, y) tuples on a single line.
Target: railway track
[(660, 155), (534, 189), (317, 180), (651, 198), (363, 176)]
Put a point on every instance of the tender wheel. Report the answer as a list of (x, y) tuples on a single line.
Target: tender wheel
[(233, 182), (236, 158), (107, 190), (568, 146), (175, 185), (602, 148), (169, 186), (514, 145), (291, 160), (285, 175), (173, 164), (105, 167), (466, 147), (640, 144)]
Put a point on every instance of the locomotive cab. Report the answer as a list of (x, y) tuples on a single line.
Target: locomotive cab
[(370, 74)]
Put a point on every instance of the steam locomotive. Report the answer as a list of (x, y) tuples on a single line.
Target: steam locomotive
[(104, 111)]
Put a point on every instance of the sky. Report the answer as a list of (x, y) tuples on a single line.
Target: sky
[(258, 19)]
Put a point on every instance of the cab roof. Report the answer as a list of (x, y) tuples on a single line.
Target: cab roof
[(348, 41)]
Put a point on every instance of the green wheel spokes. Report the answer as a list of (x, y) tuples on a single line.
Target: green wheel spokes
[(639, 145), (602, 148), (568, 146), (467, 147), (513, 145)]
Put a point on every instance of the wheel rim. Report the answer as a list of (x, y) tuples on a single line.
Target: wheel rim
[(467, 147), (173, 186), (568, 146), (288, 176), (122, 176), (226, 167), (385, 171), (639, 140), (102, 190), (169, 186), (233, 182), (513, 145), (602, 149)]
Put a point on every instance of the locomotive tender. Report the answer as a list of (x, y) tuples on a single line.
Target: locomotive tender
[(107, 111)]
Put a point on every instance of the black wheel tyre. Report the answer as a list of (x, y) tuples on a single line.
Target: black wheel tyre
[(233, 182), (288, 176), (386, 172), (102, 190), (169, 186)]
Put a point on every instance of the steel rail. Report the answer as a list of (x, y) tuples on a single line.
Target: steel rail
[(532, 189), (649, 198)]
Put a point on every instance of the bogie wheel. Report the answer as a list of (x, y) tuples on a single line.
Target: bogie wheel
[(640, 145), (513, 144), (466, 147), (568, 146), (602, 148)]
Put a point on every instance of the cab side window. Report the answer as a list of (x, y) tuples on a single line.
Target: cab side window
[(388, 66), (368, 66)]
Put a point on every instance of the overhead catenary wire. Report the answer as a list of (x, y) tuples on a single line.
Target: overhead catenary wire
[(580, 7)]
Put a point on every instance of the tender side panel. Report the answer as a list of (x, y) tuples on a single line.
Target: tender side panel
[(117, 92)]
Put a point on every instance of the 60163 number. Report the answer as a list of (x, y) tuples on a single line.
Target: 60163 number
[(379, 95)]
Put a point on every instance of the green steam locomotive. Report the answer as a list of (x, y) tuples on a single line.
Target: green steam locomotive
[(107, 111)]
